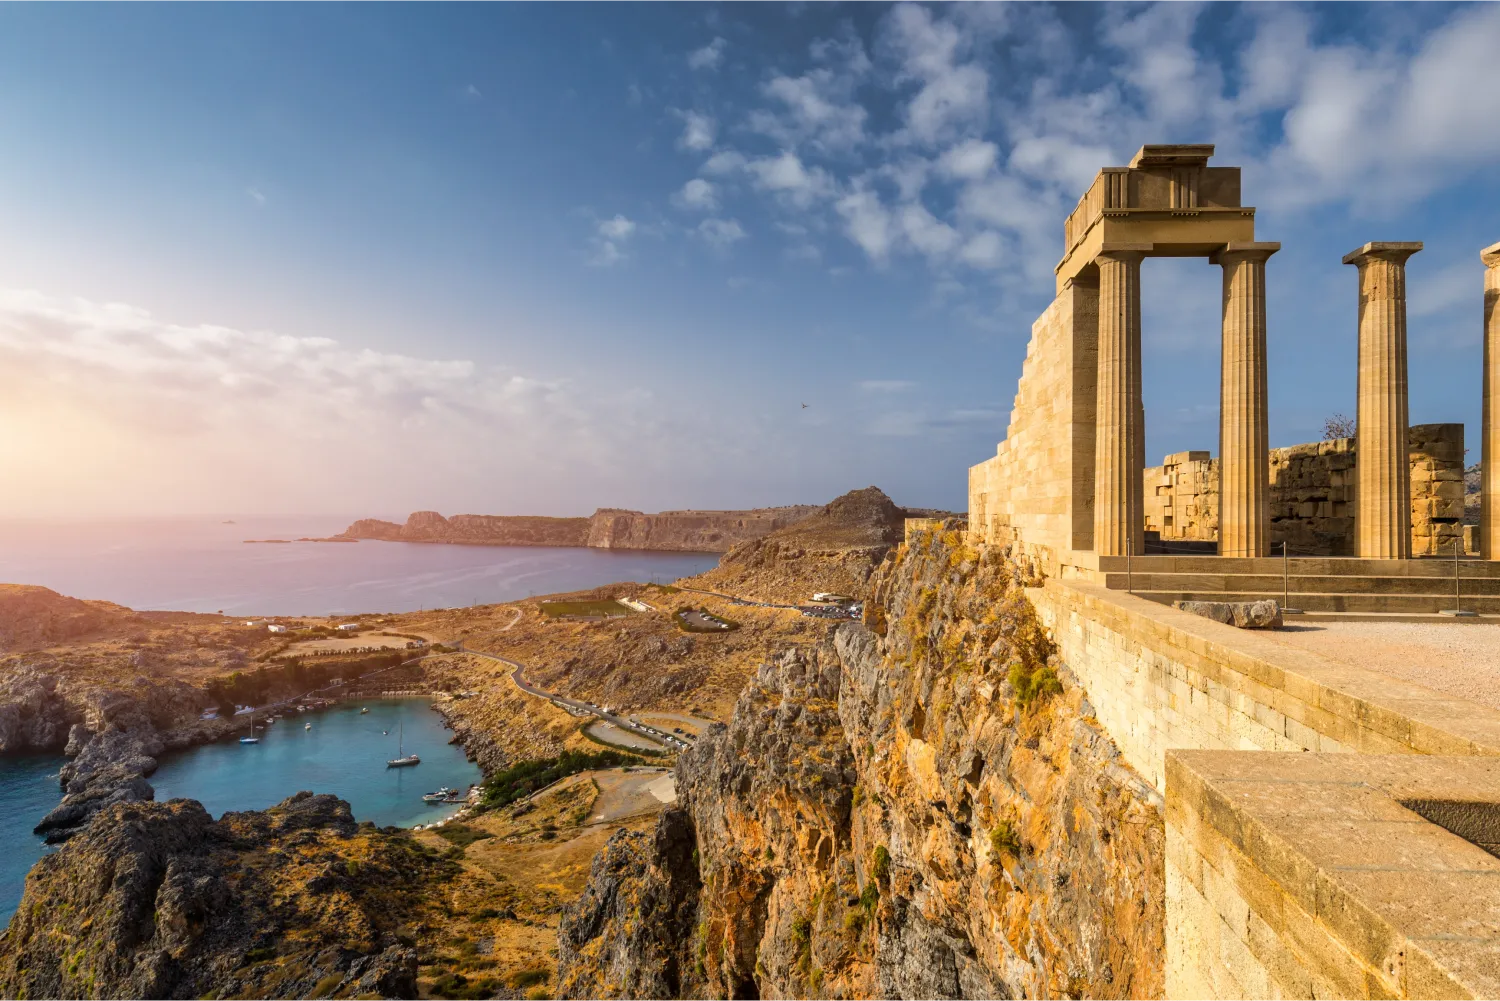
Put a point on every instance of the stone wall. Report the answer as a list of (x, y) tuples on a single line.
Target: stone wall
[(1160, 678), (1312, 494)]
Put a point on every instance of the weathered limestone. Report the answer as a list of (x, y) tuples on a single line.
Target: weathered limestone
[(1489, 509), (1241, 614), (1244, 435), (1312, 493), (1382, 518), (1120, 427)]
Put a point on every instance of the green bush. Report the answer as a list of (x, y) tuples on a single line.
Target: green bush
[(462, 835), (505, 787), (880, 863), (529, 977), (1004, 841), (1033, 687)]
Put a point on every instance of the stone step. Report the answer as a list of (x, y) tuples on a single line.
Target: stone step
[(1202, 583), (1305, 566), (1390, 603)]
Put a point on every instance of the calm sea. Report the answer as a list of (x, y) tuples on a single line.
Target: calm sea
[(204, 565), (344, 753)]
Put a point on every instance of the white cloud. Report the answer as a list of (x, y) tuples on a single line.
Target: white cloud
[(697, 194), (969, 160), (867, 222), (708, 57), (207, 417), (256, 195), (951, 94), (926, 232), (724, 162), (721, 232), (886, 385), (985, 250), (609, 241), (788, 176), (815, 108), (472, 91), (698, 131)]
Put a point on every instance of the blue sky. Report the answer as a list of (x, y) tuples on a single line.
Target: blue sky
[(543, 258)]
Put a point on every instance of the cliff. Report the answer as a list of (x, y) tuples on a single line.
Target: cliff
[(161, 901), (922, 806), (836, 548), (688, 531), (475, 529), (608, 528)]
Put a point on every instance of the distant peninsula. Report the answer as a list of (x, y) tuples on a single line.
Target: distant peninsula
[(607, 528)]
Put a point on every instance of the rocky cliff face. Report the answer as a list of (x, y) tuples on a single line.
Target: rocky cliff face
[(923, 806), (688, 531), (160, 901), (475, 529)]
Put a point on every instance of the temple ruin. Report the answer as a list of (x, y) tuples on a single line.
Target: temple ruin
[(1069, 485)]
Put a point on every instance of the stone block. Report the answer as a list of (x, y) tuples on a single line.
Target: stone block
[(1243, 614)]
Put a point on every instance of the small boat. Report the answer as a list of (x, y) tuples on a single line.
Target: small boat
[(402, 760), (363, 711), (307, 726), (251, 738), (442, 795)]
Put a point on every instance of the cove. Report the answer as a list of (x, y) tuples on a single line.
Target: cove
[(28, 789), (344, 753)]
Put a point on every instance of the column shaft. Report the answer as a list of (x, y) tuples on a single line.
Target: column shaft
[(1119, 445), (1489, 475), (1244, 436), (1382, 525)]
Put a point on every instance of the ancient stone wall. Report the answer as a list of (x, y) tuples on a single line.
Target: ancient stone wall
[(1312, 494)]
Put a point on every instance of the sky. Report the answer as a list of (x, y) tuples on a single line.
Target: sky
[(538, 259)]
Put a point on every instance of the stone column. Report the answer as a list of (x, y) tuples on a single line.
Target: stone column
[(1119, 442), (1489, 470), (1244, 435), (1382, 518)]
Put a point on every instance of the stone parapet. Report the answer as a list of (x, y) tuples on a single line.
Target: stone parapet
[(1321, 875)]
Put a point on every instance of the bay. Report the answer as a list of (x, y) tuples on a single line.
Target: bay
[(28, 789), (204, 565)]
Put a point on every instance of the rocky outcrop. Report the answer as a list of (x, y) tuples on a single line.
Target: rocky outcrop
[(161, 901), (689, 531), (110, 767), (608, 528), (32, 618), (923, 806), (1244, 614), (33, 715), (475, 529)]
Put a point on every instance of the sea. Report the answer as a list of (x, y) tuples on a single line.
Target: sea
[(204, 565)]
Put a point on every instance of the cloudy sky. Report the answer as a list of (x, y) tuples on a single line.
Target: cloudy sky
[(538, 259)]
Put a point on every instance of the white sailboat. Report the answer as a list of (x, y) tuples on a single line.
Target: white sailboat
[(251, 738), (402, 760)]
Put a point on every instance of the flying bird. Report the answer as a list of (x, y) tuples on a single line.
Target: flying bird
[(804, 406)]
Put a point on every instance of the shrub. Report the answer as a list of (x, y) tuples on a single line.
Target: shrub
[(529, 977), (1033, 687), (505, 787), (1004, 841), (880, 864), (325, 987)]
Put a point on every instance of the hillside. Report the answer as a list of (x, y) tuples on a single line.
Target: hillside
[(475, 530), (836, 548)]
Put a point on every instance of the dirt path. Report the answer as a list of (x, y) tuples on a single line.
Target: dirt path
[(626, 794)]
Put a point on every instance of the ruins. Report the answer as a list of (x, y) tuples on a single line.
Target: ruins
[(1069, 487)]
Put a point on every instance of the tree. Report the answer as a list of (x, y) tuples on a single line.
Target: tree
[(1338, 426)]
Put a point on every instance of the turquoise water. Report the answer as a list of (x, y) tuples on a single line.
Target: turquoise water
[(28, 789), (344, 753)]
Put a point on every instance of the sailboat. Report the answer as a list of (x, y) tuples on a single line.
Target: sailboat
[(251, 738), (402, 760), (363, 711)]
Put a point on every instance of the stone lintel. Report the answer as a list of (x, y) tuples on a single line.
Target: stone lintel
[(1173, 155), (1383, 248), (1110, 249), (1248, 247), (1491, 255)]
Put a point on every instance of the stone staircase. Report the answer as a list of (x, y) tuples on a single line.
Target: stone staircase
[(1314, 584)]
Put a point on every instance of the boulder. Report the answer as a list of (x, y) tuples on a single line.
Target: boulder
[(1243, 614)]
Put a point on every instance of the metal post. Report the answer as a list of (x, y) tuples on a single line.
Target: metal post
[(1457, 610), (1129, 550), (1286, 575)]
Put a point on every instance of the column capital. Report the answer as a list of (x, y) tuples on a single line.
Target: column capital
[(1124, 251), (1383, 250), (1244, 250), (1491, 255)]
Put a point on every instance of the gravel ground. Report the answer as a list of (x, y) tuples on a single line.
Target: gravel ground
[(1460, 659)]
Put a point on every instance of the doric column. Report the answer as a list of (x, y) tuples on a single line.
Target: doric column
[(1382, 520), (1244, 435), (1489, 470), (1119, 443)]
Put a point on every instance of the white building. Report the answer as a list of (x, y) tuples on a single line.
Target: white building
[(347, 627), (273, 627)]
